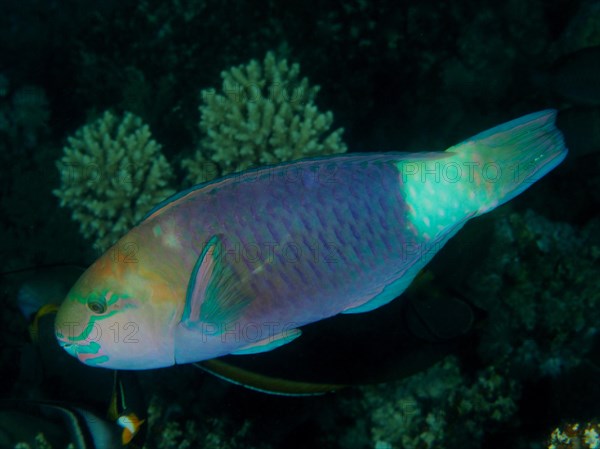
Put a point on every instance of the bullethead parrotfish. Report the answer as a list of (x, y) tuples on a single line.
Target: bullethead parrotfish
[(238, 265)]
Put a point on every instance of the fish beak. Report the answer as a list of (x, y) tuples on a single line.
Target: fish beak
[(69, 347), (89, 354)]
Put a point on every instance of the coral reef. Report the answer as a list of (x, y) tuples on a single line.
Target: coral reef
[(538, 273), (584, 28), (440, 408), (576, 436), (208, 433), (40, 442), (29, 218), (264, 115), (112, 174), (24, 115)]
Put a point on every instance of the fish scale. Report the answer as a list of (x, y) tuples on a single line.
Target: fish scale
[(329, 221), (330, 230)]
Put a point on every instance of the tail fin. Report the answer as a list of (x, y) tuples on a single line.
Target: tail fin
[(507, 159)]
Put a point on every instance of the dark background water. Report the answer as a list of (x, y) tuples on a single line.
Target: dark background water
[(403, 77)]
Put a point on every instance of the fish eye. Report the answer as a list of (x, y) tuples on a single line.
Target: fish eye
[(97, 305)]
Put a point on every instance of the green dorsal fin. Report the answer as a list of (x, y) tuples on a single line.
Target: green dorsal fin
[(214, 293)]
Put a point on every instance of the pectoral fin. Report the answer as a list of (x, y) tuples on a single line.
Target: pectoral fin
[(215, 294)]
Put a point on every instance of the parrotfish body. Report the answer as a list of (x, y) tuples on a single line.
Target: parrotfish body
[(239, 264)]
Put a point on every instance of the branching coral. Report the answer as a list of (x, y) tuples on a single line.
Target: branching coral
[(264, 115), (112, 173)]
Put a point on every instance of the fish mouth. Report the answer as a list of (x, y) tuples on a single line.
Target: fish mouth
[(90, 354), (69, 347)]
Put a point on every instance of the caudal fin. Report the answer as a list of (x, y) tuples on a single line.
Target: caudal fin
[(505, 160)]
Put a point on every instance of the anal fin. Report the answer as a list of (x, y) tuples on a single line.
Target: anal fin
[(269, 343)]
